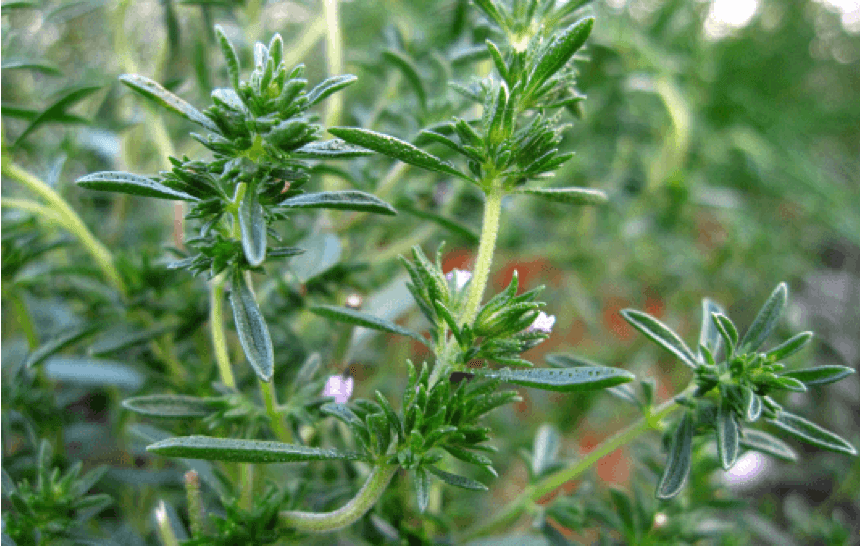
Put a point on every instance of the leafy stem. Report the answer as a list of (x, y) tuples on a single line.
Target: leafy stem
[(507, 515), (320, 522)]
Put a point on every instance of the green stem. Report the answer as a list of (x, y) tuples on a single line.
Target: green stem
[(216, 325), (246, 485), (509, 514), (296, 51), (334, 58), (163, 528), (70, 221), (271, 401), (486, 247), (320, 522), (22, 314)]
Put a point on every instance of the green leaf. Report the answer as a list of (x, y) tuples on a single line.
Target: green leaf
[(92, 372), (678, 463), (123, 337), (351, 316), (252, 224), (811, 433), (561, 379), (545, 449), (561, 48), (568, 196), (329, 86), (728, 435), (37, 66), (57, 111), (395, 148), (409, 71), (451, 225), (330, 149), (709, 335), (132, 184), (245, 451), (174, 406), (752, 404), (457, 481), (58, 343), (821, 375), (153, 90), (763, 442), (766, 320), (661, 334), (229, 56), (342, 200), (789, 384), (422, 488), (252, 329), (790, 346), (727, 331)]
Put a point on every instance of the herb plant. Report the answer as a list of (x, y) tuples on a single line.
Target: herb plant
[(230, 400)]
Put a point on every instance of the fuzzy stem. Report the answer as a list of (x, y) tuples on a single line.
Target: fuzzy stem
[(489, 233), (368, 495), (216, 325), (70, 221), (270, 398), (515, 508)]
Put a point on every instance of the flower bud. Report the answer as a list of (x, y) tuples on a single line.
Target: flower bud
[(339, 388)]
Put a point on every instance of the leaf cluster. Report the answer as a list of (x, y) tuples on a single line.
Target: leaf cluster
[(737, 390)]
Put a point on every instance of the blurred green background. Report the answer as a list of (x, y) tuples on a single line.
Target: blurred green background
[(726, 133)]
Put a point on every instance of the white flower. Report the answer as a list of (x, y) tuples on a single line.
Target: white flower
[(543, 323), (459, 277), (339, 388)]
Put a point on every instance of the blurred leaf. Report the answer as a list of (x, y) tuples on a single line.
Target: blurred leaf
[(409, 71), (57, 111), (245, 451), (451, 225), (422, 488), (35, 65), (174, 406), (765, 443), (568, 196), (357, 318), (821, 375), (457, 481), (322, 252), (678, 462), (59, 342), (93, 372)]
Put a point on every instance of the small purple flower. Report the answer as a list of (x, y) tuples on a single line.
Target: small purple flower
[(543, 323), (459, 277), (339, 388)]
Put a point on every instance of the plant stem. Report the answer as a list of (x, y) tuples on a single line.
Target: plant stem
[(334, 58), (216, 325), (269, 397), (246, 485), (486, 247), (531, 494), (368, 495), (70, 221)]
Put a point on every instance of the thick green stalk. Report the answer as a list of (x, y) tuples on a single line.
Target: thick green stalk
[(70, 221), (278, 425), (486, 248), (368, 495), (509, 514)]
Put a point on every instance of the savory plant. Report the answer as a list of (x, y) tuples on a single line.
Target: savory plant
[(246, 202)]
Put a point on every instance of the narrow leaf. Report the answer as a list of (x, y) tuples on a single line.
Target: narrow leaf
[(351, 316), (709, 335), (395, 148), (568, 196), (752, 404), (245, 451), (661, 334), (789, 384), (811, 433), (252, 329), (58, 343), (132, 184), (37, 66), (457, 481), (727, 331), (159, 94), (821, 375), (330, 149), (451, 225), (790, 346), (545, 449), (422, 488), (57, 111), (410, 72), (329, 86), (229, 56), (766, 319), (678, 463), (174, 406), (763, 442), (561, 379), (343, 200), (252, 224), (561, 48), (727, 435)]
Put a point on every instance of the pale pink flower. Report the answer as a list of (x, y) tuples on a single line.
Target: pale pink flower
[(459, 277), (339, 388), (543, 323)]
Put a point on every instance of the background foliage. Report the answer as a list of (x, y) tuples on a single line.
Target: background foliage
[(729, 156)]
